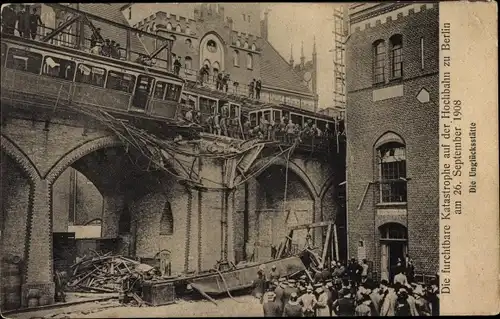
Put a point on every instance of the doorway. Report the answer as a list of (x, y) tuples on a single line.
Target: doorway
[(394, 247), (142, 92)]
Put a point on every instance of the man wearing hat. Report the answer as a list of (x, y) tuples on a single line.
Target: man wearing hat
[(279, 291), (292, 307), (388, 302), (402, 307), (363, 309), (274, 274), (271, 307), (318, 275), (344, 306), (259, 286), (289, 290), (322, 309), (422, 305), (308, 302)]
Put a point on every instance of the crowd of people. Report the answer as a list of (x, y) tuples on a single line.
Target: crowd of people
[(21, 18), (221, 123), (345, 290)]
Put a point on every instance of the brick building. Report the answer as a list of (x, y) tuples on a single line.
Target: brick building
[(393, 182)]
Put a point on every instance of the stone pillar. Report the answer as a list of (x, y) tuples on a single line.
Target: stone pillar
[(230, 222), (318, 232), (113, 207), (39, 268)]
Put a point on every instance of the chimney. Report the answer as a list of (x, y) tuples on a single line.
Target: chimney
[(264, 25)]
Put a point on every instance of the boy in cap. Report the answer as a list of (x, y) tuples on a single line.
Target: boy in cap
[(308, 302), (292, 307)]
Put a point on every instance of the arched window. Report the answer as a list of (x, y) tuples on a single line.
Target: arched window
[(188, 30), (238, 43), (153, 27), (378, 61), (169, 26), (391, 159), (245, 46), (178, 28), (254, 47), (188, 62), (393, 231), (189, 43), (147, 28), (207, 62), (396, 56), (236, 58), (167, 220), (249, 61)]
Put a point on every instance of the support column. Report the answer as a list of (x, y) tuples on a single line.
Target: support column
[(39, 265), (113, 207), (230, 222), (318, 217)]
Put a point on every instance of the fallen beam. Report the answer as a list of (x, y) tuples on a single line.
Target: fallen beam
[(312, 225)]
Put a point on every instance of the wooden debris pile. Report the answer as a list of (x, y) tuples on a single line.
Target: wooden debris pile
[(108, 273)]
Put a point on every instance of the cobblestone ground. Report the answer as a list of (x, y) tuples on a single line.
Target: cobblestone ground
[(240, 306)]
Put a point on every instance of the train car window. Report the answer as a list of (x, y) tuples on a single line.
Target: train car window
[(307, 119), (234, 110), (321, 125), (276, 116), (22, 60), (90, 75), (296, 119), (145, 84), (160, 90), (59, 68), (120, 81), (267, 115), (253, 119), (173, 92), (285, 114), (4, 53), (207, 105)]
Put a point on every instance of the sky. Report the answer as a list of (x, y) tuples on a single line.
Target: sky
[(291, 23)]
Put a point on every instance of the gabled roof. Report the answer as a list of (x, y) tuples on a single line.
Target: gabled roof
[(276, 72), (112, 11)]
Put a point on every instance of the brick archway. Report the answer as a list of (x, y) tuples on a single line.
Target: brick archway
[(20, 158), (293, 167), (78, 152)]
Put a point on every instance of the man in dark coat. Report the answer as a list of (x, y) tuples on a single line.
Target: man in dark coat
[(9, 18), (271, 307), (279, 292), (259, 285), (35, 21), (292, 308)]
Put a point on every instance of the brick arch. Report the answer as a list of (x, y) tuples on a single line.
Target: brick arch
[(12, 150), (328, 184), (78, 152), (387, 137), (292, 166)]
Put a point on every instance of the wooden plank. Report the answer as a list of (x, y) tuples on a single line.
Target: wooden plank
[(312, 225), (325, 247), (336, 242)]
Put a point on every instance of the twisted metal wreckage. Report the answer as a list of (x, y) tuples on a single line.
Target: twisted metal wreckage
[(238, 157)]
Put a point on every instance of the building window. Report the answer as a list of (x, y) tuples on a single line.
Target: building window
[(396, 56), (147, 28), (178, 28), (22, 60), (238, 43), (378, 61), (391, 156), (254, 48), (188, 30), (236, 58), (422, 63), (188, 43), (169, 26), (245, 46), (153, 27), (248, 18), (244, 17), (130, 13), (393, 231), (249, 61), (59, 68), (167, 220), (188, 63), (211, 46)]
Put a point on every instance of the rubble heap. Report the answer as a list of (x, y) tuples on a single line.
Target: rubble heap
[(109, 273)]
